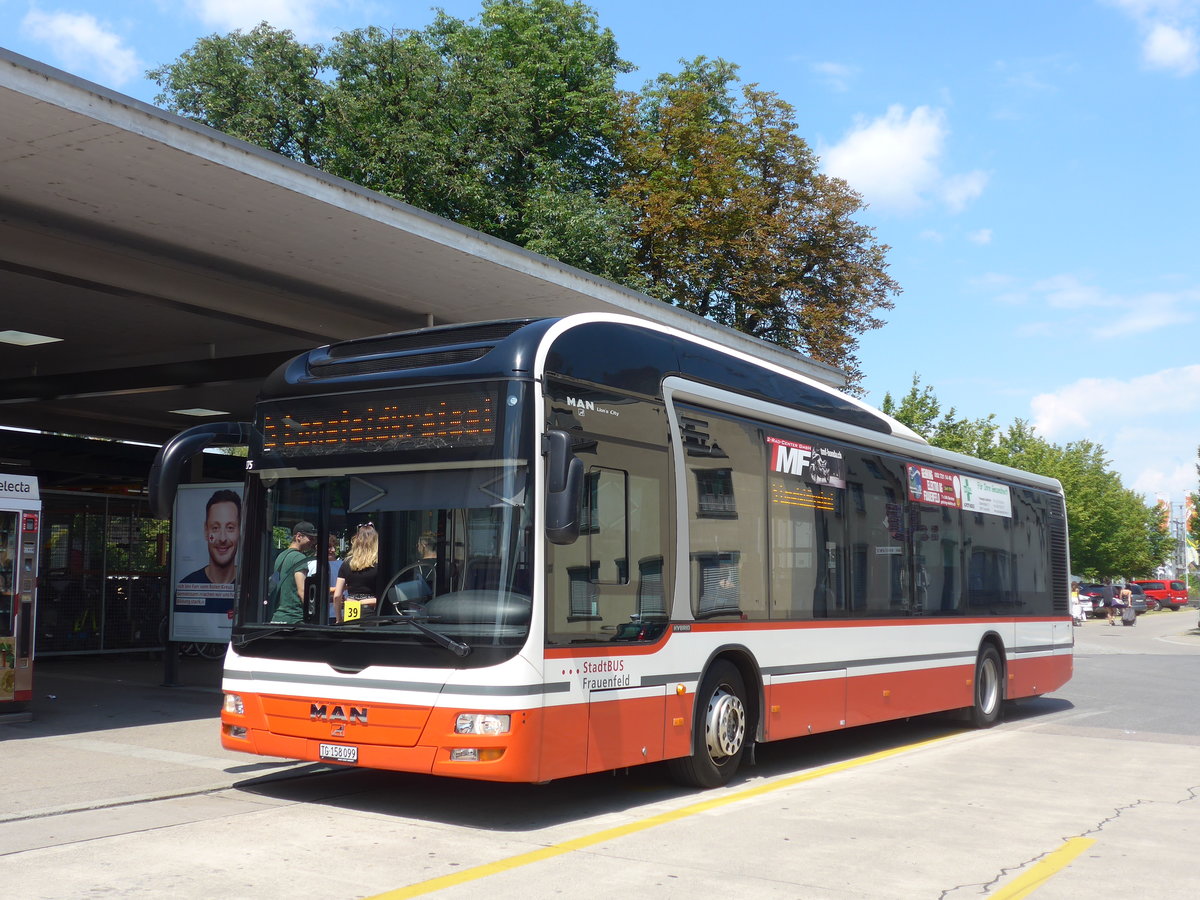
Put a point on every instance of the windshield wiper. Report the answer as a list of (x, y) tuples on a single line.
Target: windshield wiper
[(418, 622)]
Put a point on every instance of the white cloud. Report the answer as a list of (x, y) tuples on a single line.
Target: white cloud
[(958, 191), (1169, 39), (83, 45), (299, 16), (1068, 292), (1146, 424), (1070, 305), (982, 236), (894, 161), (1145, 313), (836, 75), (1088, 404), (1171, 48)]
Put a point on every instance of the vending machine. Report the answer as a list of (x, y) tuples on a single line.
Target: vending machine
[(20, 522)]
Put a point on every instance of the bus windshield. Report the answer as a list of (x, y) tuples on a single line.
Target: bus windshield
[(449, 547)]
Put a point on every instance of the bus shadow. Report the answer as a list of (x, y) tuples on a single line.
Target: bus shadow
[(522, 808)]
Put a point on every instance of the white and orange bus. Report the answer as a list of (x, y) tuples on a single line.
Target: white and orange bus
[(637, 545)]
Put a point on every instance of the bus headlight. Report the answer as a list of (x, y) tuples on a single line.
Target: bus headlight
[(233, 704), (482, 723)]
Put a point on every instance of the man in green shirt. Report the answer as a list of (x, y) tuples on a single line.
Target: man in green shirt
[(291, 567)]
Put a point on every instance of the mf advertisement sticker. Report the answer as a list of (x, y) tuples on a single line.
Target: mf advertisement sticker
[(815, 464)]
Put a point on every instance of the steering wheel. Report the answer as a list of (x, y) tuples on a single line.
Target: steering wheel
[(423, 569)]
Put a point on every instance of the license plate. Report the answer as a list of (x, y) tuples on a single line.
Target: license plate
[(339, 753)]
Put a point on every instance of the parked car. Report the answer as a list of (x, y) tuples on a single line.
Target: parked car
[(1170, 594), (1095, 593)]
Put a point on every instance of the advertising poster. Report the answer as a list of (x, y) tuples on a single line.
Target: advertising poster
[(205, 554), (814, 464), (938, 488), (986, 497), (927, 485)]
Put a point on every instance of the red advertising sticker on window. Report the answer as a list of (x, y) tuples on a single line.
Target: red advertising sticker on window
[(927, 485)]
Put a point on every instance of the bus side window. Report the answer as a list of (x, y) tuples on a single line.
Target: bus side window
[(727, 529), (594, 593)]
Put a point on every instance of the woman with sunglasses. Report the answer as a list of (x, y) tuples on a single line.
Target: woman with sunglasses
[(358, 577)]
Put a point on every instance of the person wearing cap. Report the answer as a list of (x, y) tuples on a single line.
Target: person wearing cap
[(292, 567)]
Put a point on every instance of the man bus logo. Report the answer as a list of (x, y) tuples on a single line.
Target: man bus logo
[(320, 712), (583, 406)]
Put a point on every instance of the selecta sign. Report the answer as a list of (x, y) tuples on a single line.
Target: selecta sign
[(20, 487)]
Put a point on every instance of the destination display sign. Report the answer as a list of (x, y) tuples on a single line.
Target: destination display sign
[(448, 418)]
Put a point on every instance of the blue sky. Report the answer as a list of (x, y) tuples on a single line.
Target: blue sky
[(1032, 165)]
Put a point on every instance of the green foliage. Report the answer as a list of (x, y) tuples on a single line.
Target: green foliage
[(1193, 514), (733, 222), (698, 190), (1112, 530), (262, 86), (921, 411)]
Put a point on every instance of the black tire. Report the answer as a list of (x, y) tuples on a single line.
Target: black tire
[(989, 688), (718, 732)]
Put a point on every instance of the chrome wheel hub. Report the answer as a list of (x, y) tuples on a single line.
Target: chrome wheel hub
[(725, 725)]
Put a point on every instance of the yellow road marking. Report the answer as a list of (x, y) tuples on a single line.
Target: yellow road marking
[(608, 834), (1042, 872)]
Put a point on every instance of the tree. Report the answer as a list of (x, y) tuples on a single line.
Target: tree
[(921, 411), (262, 86), (505, 126), (698, 191), (733, 221), (1112, 530)]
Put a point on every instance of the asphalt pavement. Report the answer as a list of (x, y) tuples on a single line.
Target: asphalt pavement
[(113, 730)]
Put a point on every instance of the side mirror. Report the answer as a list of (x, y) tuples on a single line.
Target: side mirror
[(175, 453), (564, 483)]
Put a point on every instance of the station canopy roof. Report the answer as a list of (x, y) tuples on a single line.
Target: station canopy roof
[(177, 266)]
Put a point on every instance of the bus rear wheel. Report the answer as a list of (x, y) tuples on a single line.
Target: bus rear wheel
[(719, 730), (989, 688)]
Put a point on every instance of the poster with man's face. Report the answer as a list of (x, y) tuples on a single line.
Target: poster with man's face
[(205, 554)]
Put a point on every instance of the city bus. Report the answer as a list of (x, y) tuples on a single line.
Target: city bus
[(641, 546)]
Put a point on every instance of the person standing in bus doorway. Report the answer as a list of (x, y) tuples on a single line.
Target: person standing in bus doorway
[(291, 568), (333, 574), (223, 534), (359, 575)]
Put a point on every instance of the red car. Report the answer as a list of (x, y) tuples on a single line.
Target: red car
[(1169, 594)]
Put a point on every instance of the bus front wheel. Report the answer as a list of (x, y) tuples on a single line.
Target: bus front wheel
[(989, 688), (719, 730)]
